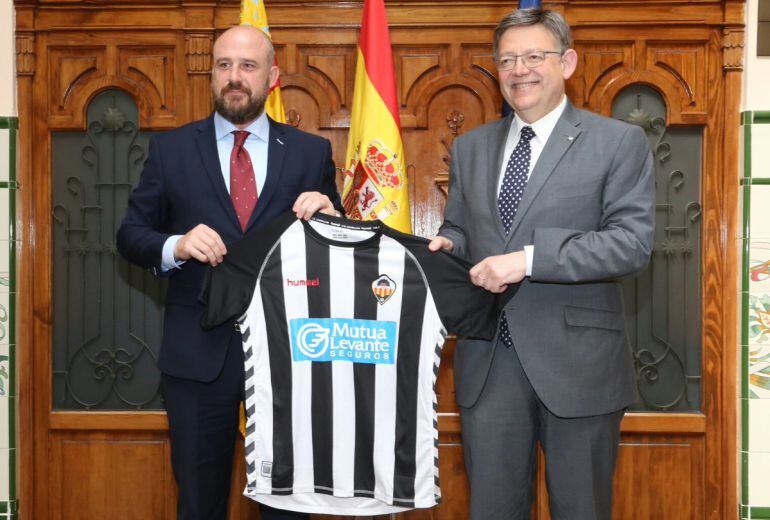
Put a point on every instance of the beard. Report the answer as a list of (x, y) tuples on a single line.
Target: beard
[(240, 113)]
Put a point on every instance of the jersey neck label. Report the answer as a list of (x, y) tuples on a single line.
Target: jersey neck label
[(342, 339)]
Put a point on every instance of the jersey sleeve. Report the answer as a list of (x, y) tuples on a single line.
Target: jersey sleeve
[(229, 287), (465, 309)]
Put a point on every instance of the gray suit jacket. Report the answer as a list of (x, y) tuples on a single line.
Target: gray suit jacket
[(588, 212)]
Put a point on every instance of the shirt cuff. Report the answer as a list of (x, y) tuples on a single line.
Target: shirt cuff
[(529, 252), (168, 261)]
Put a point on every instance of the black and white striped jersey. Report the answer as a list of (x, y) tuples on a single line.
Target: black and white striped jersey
[(343, 324)]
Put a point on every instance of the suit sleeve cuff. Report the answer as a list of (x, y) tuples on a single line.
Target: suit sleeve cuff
[(168, 261), (529, 252)]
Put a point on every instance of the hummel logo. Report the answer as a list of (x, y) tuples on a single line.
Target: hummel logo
[(315, 282)]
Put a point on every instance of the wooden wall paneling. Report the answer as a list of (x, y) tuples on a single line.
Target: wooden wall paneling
[(160, 51), (114, 475), (25, 69), (732, 65)]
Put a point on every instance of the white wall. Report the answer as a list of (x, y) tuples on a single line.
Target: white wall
[(7, 60), (756, 94)]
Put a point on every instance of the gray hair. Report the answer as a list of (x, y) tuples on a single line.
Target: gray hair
[(551, 20)]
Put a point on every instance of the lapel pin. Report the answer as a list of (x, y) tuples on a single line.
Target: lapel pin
[(570, 138), (279, 140)]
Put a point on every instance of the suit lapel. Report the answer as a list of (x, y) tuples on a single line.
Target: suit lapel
[(276, 152), (495, 154), (563, 136), (207, 146)]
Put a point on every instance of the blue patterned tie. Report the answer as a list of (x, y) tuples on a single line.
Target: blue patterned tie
[(511, 192)]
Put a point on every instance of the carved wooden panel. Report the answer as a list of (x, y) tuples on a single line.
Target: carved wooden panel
[(117, 476), (659, 477), (683, 65), (152, 70), (599, 64), (70, 69)]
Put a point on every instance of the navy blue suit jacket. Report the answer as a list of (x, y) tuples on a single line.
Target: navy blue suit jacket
[(182, 186)]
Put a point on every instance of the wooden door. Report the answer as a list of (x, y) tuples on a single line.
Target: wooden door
[(675, 462)]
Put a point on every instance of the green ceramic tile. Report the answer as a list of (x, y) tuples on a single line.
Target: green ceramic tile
[(745, 263), (760, 117), (745, 347), (745, 411), (760, 513), (744, 477), (747, 152), (9, 122), (746, 211)]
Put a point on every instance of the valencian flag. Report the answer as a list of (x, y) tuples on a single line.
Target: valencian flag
[(253, 13), (375, 175)]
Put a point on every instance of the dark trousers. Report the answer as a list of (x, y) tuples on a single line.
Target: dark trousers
[(500, 436), (203, 422)]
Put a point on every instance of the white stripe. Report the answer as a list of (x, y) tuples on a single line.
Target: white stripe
[(262, 399), (342, 276), (391, 263), (426, 471), (295, 298)]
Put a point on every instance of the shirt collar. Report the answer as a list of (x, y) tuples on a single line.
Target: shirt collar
[(545, 125), (259, 128)]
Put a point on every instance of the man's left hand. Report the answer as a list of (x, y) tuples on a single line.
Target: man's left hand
[(495, 273), (309, 202)]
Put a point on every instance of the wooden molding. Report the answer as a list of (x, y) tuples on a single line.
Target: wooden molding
[(25, 54), (198, 49), (732, 48)]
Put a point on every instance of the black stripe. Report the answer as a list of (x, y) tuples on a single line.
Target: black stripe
[(280, 371), (407, 370), (317, 262), (366, 267)]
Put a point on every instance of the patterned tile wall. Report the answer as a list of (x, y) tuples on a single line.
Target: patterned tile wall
[(755, 326), (8, 246)]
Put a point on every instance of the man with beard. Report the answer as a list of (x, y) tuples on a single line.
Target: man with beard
[(204, 186)]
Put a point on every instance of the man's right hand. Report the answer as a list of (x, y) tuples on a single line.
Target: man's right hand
[(201, 243), (442, 243)]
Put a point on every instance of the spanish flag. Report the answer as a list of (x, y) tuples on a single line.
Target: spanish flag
[(253, 13), (375, 184)]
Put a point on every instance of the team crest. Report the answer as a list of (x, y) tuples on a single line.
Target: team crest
[(383, 288)]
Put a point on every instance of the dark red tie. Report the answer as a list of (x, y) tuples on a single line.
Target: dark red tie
[(243, 185)]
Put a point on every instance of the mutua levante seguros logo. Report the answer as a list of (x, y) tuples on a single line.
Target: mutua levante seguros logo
[(342, 339)]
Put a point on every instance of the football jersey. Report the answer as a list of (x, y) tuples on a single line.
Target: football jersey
[(343, 324)]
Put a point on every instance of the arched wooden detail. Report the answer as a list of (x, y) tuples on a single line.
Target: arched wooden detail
[(152, 73), (476, 88)]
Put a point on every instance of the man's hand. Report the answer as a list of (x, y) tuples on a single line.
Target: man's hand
[(495, 273), (440, 243), (309, 202), (201, 243)]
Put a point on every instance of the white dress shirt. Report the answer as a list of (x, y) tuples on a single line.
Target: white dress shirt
[(543, 128), (255, 144)]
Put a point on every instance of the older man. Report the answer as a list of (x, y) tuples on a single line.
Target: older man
[(561, 201), (203, 186)]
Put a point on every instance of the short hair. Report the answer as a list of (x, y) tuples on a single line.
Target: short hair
[(551, 20)]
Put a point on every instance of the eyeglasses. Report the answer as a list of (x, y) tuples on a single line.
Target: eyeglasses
[(531, 60)]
